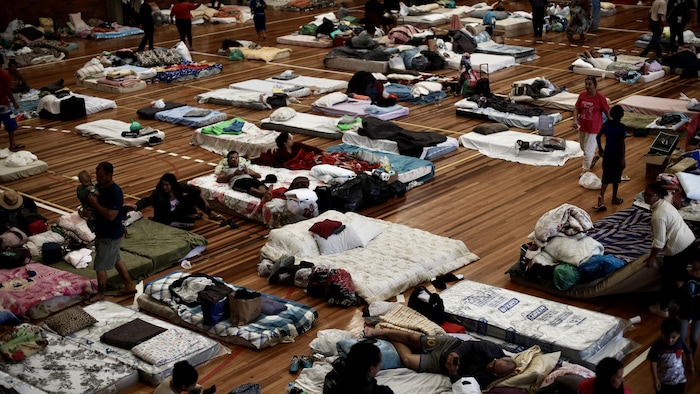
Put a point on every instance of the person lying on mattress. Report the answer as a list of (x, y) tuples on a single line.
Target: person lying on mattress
[(447, 355), (243, 179), (287, 149), (174, 203)]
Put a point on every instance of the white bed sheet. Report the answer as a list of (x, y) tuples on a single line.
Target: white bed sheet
[(352, 137), (597, 72), (502, 146), (266, 86), (93, 104), (8, 174), (514, 120), (486, 62), (250, 143), (317, 125), (318, 85), (110, 131), (234, 97), (387, 266)]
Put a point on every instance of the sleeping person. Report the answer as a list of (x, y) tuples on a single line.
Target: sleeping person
[(242, 178)]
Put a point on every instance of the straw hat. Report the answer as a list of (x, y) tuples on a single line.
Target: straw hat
[(11, 200)]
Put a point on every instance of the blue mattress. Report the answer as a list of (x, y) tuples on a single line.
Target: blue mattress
[(177, 116), (520, 53), (116, 34), (409, 168)]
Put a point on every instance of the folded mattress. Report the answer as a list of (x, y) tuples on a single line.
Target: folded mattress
[(267, 54), (268, 87), (316, 84), (520, 53), (563, 100), (8, 174), (424, 21), (250, 142), (233, 97), (597, 72), (527, 320), (658, 106), (116, 87), (304, 41), (354, 64), (352, 137), (180, 115), (196, 350), (485, 62), (362, 108), (502, 146), (110, 131), (510, 27), (307, 124)]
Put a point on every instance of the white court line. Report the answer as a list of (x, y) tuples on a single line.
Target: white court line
[(52, 209)]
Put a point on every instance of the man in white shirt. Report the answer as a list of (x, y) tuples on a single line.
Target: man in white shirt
[(656, 24)]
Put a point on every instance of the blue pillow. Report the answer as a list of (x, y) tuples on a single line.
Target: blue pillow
[(390, 357), (8, 318)]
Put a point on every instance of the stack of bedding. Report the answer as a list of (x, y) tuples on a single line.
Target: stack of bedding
[(191, 116), (249, 141), (18, 165), (316, 84), (607, 68), (123, 79), (339, 104), (117, 132)]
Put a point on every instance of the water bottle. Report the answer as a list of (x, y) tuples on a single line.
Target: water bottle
[(290, 387)]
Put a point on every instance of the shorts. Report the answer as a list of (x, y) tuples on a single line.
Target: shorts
[(107, 253), (245, 184), (7, 119), (433, 348), (259, 20)]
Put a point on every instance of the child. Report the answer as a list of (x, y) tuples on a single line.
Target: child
[(19, 84), (83, 191), (666, 357), (183, 380), (613, 155), (689, 302)]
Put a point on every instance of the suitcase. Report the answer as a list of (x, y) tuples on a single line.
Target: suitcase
[(72, 108)]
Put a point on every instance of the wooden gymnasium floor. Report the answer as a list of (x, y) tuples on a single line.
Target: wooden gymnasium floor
[(489, 204)]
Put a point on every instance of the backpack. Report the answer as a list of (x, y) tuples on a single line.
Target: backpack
[(51, 252), (420, 63), (436, 61), (427, 304), (482, 86), (14, 257), (463, 42)]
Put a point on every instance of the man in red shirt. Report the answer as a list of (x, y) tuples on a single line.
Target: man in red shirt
[(5, 110)]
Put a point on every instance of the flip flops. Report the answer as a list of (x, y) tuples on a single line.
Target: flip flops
[(17, 147), (600, 208), (617, 201)]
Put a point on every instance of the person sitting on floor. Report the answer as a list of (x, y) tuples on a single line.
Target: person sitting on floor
[(355, 374), (243, 179), (447, 355)]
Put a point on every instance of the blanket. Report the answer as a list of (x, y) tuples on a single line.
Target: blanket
[(305, 160), (566, 219), (410, 143)]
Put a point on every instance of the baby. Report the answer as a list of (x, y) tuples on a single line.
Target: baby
[(84, 189)]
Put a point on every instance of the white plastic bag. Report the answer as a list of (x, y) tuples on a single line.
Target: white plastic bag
[(181, 49), (326, 340), (466, 385), (590, 180)]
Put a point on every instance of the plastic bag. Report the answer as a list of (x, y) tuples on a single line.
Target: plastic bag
[(235, 55), (326, 341), (184, 53), (590, 180), (466, 385)]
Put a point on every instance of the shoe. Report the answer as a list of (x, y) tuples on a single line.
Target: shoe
[(656, 309), (294, 365), (438, 283), (306, 362), (617, 201)]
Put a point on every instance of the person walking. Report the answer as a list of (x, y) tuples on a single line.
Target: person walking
[(181, 16), (6, 97), (107, 202), (147, 25), (677, 16), (613, 154), (257, 8), (657, 17), (588, 119), (537, 17)]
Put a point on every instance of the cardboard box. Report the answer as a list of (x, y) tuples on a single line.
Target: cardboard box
[(656, 164)]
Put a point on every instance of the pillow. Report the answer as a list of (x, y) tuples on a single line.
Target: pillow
[(131, 334), (197, 113), (466, 104), (78, 22), (540, 366), (490, 128), (690, 183), (283, 114), (331, 99), (338, 243), (70, 320), (433, 17), (325, 228), (581, 63), (600, 62), (331, 170), (302, 194), (365, 229), (604, 5), (555, 143), (390, 357), (47, 25)]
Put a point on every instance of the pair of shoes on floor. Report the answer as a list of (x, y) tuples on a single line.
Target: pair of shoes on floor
[(228, 222), (297, 363), (441, 281), (656, 309)]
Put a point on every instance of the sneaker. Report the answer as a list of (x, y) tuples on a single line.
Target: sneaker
[(306, 362), (656, 309), (294, 365)]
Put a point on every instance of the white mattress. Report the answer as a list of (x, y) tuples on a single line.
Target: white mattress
[(177, 116), (502, 146), (564, 100), (10, 382), (487, 62), (658, 106), (308, 124), (304, 41), (251, 142), (318, 85), (597, 72), (353, 138), (93, 104), (387, 266), (266, 86), (234, 97), (359, 108), (514, 120), (8, 174), (110, 315), (110, 131), (527, 320)]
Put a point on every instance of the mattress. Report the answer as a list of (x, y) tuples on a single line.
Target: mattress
[(510, 27), (514, 120), (564, 100), (307, 124), (405, 94), (273, 214), (233, 97), (658, 106), (424, 21), (304, 41), (527, 320), (251, 142), (8, 174), (66, 367), (188, 72), (121, 31), (362, 108), (93, 104), (266, 331), (150, 111), (502, 146), (35, 296), (269, 87), (267, 54), (485, 62), (408, 169), (9, 382), (386, 266), (92, 83), (354, 64), (596, 72), (177, 116), (520, 53), (110, 316), (317, 85), (110, 131), (352, 137)]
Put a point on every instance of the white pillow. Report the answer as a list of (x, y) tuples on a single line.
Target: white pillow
[(331, 99), (396, 63), (283, 114), (365, 229), (581, 63), (433, 17), (600, 62), (78, 22), (604, 5), (302, 194), (690, 184), (331, 170), (338, 243), (464, 103), (181, 49)]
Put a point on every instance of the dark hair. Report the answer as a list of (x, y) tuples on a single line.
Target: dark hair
[(605, 370), (184, 375), (592, 79), (616, 112), (362, 356), (670, 325), (281, 139), (107, 167), (230, 153), (174, 184), (658, 189)]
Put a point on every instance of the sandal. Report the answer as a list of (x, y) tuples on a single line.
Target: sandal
[(17, 147), (617, 201), (600, 208)]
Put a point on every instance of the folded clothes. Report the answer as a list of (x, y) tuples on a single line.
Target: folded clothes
[(236, 127)]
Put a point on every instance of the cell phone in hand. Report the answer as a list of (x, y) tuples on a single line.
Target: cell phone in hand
[(455, 361)]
